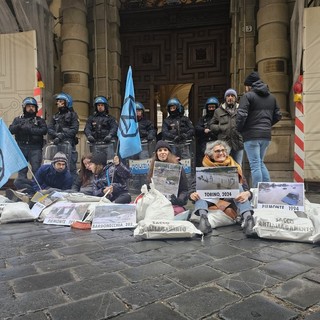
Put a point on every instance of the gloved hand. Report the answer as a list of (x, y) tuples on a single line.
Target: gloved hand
[(107, 138), (176, 139), (91, 139), (60, 136), (56, 141), (150, 137), (176, 201), (26, 127), (183, 136)]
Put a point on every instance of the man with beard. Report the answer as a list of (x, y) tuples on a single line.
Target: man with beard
[(223, 124), (29, 130), (64, 128), (203, 132)]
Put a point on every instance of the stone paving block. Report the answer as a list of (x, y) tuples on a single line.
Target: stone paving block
[(31, 301), (314, 316), (294, 247), (37, 315), (148, 291), (31, 234), (2, 263), (250, 244), (30, 258), (41, 246), (313, 275), (82, 248), (284, 269), (257, 307), (142, 246), (202, 302), (63, 263), (179, 248), (138, 259), (42, 281), (6, 290), (234, 264), (247, 282), (309, 258), (300, 292), (154, 311), (100, 307), (221, 251), (188, 260), (8, 252), (99, 284), (192, 277), (153, 269), (114, 252), (236, 235), (17, 272), (267, 254)]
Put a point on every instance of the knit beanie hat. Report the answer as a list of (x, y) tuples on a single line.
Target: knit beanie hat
[(162, 144), (229, 92), (99, 158), (251, 78), (60, 157)]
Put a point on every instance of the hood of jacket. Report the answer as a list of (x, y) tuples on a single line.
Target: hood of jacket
[(260, 88)]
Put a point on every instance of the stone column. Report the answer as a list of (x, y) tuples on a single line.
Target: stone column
[(273, 49), (74, 58)]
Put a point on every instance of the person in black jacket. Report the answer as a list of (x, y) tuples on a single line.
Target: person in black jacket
[(64, 128), (29, 131), (203, 132), (223, 124), (258, 111)]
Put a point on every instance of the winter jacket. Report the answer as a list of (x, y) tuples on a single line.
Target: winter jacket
[(223, 124), (48, 177), (120, 174), (177, 126), (99, 125), (203, 124), (146, 129), (258, 111), (65, 126), (29, 131)]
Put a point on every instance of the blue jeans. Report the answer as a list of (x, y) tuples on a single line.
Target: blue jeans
[(256, 150), (242, 207), (237, 156)]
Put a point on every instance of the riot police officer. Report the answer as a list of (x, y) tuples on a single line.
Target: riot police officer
[(203, 132), (29, 131), (101, 127), (64, 127)]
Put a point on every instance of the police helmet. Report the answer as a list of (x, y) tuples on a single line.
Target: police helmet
[(139, 106), (29, 100), (212, 100), (174, 102), (66, 97)]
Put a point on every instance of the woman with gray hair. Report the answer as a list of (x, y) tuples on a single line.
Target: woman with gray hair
[(217, 155)]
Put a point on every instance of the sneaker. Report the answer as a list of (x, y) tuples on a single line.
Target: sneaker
[(248, 225), (17, 196), (204, 224)]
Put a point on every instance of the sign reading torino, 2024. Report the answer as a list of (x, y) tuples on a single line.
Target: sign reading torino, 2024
[(217, 182)]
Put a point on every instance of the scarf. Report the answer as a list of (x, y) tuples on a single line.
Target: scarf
[(229, 162)]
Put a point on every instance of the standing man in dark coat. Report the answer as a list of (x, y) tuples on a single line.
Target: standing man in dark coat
[(224, 125), (258, 112)]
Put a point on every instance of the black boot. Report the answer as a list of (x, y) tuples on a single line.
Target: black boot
[(248, 225), (204, 224)]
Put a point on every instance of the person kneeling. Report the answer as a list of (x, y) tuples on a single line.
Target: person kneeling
[(217, 155)]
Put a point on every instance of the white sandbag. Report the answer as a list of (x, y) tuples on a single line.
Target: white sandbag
[(15, 212), (165, 229), (153, 205), (217, 218), (312, 210), (282, 225)]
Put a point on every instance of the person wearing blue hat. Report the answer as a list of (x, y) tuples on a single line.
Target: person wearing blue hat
[(223, 124)]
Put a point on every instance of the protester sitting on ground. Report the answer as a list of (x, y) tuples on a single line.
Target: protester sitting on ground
[(217, 155), (110, 180), (84, 180), (163, 153)]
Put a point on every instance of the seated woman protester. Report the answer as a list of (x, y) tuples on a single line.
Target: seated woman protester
[(217, 154), (110, 178), (163, 153), (83, 183)]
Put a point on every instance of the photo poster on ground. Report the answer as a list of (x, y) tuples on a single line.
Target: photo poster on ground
[(166, 178), (64, 213), (281, 195), (139, 167), (42, 201), (114, 216), (217, 182)]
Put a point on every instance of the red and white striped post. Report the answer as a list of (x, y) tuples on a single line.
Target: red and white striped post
[(37, 94), (299, 155)]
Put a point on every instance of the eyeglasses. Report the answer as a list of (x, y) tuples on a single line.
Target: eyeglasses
[(219, 151)]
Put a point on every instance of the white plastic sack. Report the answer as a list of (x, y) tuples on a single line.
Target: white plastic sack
[(282, 225), (312, 210), (15, 212), (165, 229), (217, 218), (153, 205)]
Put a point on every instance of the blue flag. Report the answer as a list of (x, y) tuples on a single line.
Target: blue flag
[(128, 131), (11, 158)]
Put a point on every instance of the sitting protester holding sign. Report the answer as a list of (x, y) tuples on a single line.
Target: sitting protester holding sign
[(110, 180), (163, 154), (217, 155)]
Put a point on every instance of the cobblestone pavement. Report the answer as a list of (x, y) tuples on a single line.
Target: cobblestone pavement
[(57, 273)]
